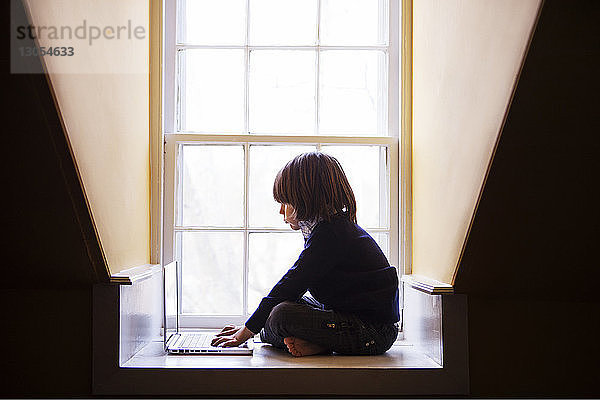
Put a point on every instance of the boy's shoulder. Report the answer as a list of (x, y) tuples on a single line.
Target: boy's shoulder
[(336, 226)]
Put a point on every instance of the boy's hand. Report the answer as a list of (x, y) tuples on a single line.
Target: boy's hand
[(231, 336)]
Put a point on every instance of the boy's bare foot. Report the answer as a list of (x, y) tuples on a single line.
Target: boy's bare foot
[(300, 347)]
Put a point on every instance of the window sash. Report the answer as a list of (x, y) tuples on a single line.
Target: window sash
[(171, 97), (398, 209), (172, 175), (174, 89)]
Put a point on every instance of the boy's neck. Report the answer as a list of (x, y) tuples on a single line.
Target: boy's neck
[(307, 226)]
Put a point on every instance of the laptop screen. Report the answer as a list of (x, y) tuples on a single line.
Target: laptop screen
[(170, 301)]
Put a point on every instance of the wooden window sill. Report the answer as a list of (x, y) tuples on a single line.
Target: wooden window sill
[(400, 356)]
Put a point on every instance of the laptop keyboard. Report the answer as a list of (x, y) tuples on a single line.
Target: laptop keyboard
[(195, 340), (189, 343)]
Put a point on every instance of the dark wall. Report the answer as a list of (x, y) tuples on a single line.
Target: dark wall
[(47, 276), (530, 266)]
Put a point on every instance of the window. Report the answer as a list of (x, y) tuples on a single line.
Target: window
[(249, 84)]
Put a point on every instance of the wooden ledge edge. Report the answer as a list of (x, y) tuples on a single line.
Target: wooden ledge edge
[(135, 274), (427, 285)]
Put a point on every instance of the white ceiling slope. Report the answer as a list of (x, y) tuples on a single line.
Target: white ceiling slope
[(102, 95), (467, 57)]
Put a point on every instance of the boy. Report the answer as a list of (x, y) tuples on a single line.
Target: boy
[(355, 305)]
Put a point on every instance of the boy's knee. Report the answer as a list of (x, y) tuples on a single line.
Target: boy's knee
[(279, 316), (282, 310)]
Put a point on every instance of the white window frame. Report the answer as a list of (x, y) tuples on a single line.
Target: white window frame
[(174, 138)]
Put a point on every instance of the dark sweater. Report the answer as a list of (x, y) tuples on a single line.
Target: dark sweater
[(344, 269)]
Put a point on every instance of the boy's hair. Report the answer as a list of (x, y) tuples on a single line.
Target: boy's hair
[(315, 185)]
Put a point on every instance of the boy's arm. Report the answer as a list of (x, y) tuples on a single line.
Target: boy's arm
[(317, 258)]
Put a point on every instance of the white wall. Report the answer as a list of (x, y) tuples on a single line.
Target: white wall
[(103, 94), (467, 55)]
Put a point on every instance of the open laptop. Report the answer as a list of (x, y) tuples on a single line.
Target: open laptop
[(177, 342)]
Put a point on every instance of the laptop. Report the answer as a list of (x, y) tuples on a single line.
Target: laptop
[(177, 342)]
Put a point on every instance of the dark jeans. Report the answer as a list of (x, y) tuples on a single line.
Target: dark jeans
[(340, 332)]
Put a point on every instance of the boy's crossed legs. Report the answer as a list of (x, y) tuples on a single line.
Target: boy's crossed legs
[(306, 328)]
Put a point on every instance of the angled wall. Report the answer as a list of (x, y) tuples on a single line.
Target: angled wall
[(102, 93), (467, 54), (537, 225), (530, 266)]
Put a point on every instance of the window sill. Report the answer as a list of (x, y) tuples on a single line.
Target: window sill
[(128, 358), (400, 356), (427, 285), (135, 274)]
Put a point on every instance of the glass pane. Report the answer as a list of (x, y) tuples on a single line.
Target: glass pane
[(265, 162), (353, 22), (283, 22), (366, 170), (270, 256), (170, 288), (383, 241), (212, 22), (212, 90), (212, 192), (353, 92), (212, 272), (282, 91)]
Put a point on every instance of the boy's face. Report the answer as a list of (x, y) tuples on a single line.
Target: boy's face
[(288, 211)]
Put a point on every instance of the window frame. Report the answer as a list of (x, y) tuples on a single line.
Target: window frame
[(398, 184)]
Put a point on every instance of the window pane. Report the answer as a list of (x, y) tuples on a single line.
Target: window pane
[(212, 90), (383, 240), (283, 22), (265, 162), (353, 92), (270, 256), (353, 22), (366, 170), (282, 91), (211, 278), (212, 22), (213, 186)]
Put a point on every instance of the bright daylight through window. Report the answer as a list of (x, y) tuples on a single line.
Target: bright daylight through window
[(249, 84)]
